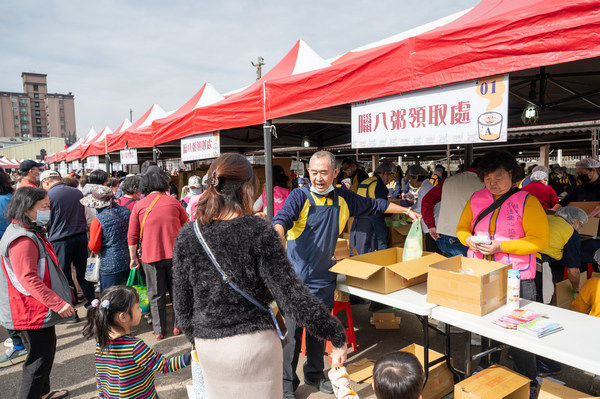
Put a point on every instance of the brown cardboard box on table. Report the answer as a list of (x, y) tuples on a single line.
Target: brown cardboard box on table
[(494, 382), (440, 380), (383, 271), (470, 285), (564, 290), (553, 390)]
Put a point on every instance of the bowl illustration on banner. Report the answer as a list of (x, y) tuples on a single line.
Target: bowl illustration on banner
[(490, 126)]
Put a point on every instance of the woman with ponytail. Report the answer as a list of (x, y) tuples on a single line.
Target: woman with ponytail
[(235, 337)]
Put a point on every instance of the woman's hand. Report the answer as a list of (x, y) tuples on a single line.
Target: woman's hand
[(134, 263), (66, 311), (490, 249), (338, 356), (413, 215), (473, 246)]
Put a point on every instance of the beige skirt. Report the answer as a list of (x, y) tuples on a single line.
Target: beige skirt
[(242, 366)]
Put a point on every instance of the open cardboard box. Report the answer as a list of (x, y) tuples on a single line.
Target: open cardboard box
[(440, 380), (554, 390), (470, 285), (591, 227), (564, 290), (383, 271), (493, 382)]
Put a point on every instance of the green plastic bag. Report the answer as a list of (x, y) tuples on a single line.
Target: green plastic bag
[(135, 281), (413, 246)]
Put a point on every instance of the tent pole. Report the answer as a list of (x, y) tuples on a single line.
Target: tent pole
[(268, 168), (107, 161), (448, 158), (154, 154), (468, 155)]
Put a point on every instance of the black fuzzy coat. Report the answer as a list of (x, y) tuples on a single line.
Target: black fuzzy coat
[(249, 251)]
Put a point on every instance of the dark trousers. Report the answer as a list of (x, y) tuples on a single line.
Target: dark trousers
[(158, 281), (73, 250), (450, 246), (108, 280), (41, 345), (315, 349), (16, 338)]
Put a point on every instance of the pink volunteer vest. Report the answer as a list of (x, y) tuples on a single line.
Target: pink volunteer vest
[(509, 226), (279, 196)]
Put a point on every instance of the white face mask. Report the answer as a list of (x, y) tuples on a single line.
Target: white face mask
[(195, 191), (327, 191)]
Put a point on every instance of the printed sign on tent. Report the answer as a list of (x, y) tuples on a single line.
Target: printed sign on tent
[(92, 162), (62, 169), (129, 156), (76, 165), (475, 111), (201, 146)]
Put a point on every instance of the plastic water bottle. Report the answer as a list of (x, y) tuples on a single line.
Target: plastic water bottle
[(513, 289)]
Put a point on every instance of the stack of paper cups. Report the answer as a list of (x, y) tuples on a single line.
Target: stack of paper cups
[(513, 289)]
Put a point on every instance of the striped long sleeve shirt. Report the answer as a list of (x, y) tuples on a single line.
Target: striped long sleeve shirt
[(126, 368)]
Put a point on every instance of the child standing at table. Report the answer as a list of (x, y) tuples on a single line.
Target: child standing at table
[(125, 365), (398, 375)]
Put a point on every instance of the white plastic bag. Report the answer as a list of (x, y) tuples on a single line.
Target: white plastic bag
[(413, 245), (92, 269)]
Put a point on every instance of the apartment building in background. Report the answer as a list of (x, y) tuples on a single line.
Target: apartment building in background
[(35, 113)]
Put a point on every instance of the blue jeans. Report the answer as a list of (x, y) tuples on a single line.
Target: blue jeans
[(451, 246), (108, 280)]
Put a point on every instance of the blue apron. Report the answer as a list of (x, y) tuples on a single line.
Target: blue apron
[(368, 233), (312, 252)]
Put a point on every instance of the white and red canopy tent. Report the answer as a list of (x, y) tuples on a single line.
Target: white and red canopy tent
[(77, 151), (100, 145), (133, 136)]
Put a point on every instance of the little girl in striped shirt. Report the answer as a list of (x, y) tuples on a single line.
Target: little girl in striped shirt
[(125, 365)]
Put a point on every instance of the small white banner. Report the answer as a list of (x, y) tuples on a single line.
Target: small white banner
[(92, 162), (201, 146), (129, 156), (62, 169), (76, 165), (475, 111)]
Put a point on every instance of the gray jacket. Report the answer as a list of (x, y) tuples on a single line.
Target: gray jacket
[(18, 309)]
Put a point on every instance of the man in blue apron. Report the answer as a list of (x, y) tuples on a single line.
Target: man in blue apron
[(313, 217), (369, 233)]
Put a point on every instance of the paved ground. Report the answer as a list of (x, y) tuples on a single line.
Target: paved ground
[(74, 366)]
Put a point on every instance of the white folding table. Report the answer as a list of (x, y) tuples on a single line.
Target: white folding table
[(578, 345), (413, 300)]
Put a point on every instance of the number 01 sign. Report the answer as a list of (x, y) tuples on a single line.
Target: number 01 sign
[(468, 112)]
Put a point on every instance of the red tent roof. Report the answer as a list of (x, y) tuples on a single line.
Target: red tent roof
[(99, 146), (132, 137), (496, 36)]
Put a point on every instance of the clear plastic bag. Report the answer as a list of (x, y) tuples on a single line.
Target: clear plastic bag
[(413, 246)]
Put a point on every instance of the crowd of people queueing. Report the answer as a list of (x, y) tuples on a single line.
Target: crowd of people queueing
[(229, 263)]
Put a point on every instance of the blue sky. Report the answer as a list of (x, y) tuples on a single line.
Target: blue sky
[(117, 55)]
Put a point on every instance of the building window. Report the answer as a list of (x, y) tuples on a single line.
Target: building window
[(24, 118), (15, 109), (16, 127), (38, 129), (37, 104), (35, 87), (60, 101), (17, 117), (14, 100), (62, 118), (62, 127), (23, 127), (62, 110), (37, 112), (38, 120), (36, 95), (23, 109)]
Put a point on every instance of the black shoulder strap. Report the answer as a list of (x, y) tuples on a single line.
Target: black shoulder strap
[(496, 204)]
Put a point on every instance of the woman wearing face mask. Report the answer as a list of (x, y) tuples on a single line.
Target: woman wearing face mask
[(194, 187), (33, 290), (589, 189)]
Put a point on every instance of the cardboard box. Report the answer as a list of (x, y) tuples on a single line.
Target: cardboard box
[(470, 285), (342, 249), (564, 291), (360, 370), (591, 227), (493, 382), (386, 321), (440, 380), (383, 271), (553, 390)]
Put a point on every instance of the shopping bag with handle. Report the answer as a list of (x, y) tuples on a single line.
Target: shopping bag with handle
[(135, 281), (413, 246), (92, 269)]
